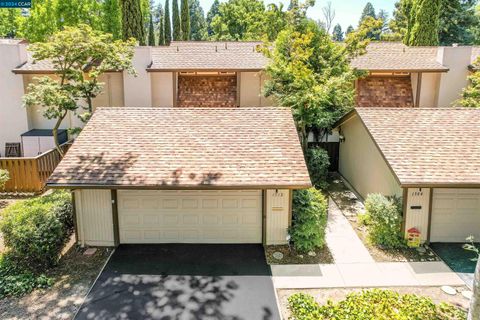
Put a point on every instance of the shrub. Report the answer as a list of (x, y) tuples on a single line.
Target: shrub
[(384, 221), (309, 219), (36, 230), (373, 304), (318, 163), (15, 281), (4, 176)]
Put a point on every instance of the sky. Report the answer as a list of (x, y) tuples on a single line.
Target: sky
[(347, 12)]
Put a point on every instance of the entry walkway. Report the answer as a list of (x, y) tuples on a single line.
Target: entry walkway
[(354, 267)]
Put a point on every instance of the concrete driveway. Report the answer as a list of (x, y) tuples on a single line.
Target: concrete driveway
[(183, 281)]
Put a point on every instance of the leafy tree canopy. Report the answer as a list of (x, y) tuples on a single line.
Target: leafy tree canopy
[(425, 23), (310, 73), (247, 20), (80, 55), (471, 94)]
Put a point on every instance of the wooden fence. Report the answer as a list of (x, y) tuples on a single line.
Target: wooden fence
[(31, 174)]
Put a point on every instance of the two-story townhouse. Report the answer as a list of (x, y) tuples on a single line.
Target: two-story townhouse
[(181, 152), (407, 139)]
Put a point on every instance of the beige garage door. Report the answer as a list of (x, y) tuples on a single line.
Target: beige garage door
[(455, 215), (190, 216)]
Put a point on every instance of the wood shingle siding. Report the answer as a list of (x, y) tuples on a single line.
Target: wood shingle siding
[(386, 92), (207, 91)]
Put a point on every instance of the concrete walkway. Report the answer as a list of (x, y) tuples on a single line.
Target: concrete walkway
[(354, 267), (343, 242)]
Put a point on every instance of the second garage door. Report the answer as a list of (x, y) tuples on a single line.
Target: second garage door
[(455, 215), (190, 216)]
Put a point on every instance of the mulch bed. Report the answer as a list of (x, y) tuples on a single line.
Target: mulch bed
[(392, 255), (292, 256)]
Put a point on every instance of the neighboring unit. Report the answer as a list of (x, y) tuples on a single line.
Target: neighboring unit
[(402, 76), (184, 175), (430, 156)]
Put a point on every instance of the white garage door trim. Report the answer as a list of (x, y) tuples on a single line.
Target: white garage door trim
[(174, 216), (455, 215)]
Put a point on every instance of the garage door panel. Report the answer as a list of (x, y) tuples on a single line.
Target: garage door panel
[(190, 216), (455, 215)]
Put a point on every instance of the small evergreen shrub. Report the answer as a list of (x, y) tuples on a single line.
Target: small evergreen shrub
[(384, 216), (318, 163), (373, 304), (36, 230), (309, 219), (4, 177)]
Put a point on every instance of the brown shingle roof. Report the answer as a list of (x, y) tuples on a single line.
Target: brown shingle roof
[(33, 66), (395, 56), (436, 146), (205, 55), (186, 148)]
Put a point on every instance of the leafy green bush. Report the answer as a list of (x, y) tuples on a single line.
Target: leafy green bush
[(36, 230), (318, 163), (373, 304), (309, 219), (384, 216), (4, 176), (16, 281)]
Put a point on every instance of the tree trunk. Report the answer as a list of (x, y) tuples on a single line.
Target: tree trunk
[(303, 138), (55, 134), (474, 312)]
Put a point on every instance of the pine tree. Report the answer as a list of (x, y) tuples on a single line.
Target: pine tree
[(185, 22), (112, 18), (167, 26), (337, 34), (151, 32), (161, 26), (368, 11), (349, 29), (132, 21), (177, 31), (212, 13), (427, 23), (198, 24)]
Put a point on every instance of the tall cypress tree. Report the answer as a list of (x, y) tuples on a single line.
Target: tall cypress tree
[(177, 31), (132, 21), (167, 26), (161, 26), (151, 32), (427, 23), (185, 23), (112, 20)]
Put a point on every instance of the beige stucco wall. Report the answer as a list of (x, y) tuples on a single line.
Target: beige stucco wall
[(112, 96), (417, 218), (457, 59), (362, 164), (251, 86), (13, 116), (162, 89), (429, 89), (278, 208), (94, 217), (137, 88)]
